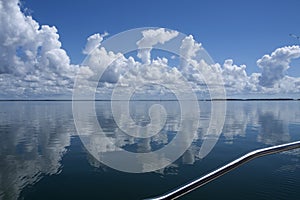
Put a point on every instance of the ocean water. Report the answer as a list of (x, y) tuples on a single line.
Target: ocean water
[(43, 157)]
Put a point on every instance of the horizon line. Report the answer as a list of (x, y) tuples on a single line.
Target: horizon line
[(226, 99)]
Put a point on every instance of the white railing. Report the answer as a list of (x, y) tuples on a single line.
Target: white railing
[(225, 169)]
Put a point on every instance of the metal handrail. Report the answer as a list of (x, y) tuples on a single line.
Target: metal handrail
[(225, 169)]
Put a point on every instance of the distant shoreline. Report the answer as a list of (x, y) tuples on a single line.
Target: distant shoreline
[(229, 99)]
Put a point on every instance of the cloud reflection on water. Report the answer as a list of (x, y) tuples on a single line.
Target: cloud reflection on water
[(33, 139), (34, 136)]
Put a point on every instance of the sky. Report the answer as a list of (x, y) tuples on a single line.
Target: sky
[(42, 42)]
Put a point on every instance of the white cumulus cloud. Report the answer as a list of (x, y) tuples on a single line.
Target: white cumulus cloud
[(189, 47), (33, 63), (93, 42), (274, 66), (150, 38)]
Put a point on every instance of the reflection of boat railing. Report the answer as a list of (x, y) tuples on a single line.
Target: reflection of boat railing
[(226, 168)]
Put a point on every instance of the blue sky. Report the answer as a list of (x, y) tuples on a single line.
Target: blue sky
[(42, 44), (240, 30)]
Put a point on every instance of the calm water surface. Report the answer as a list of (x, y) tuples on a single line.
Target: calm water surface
[(42, 157)]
